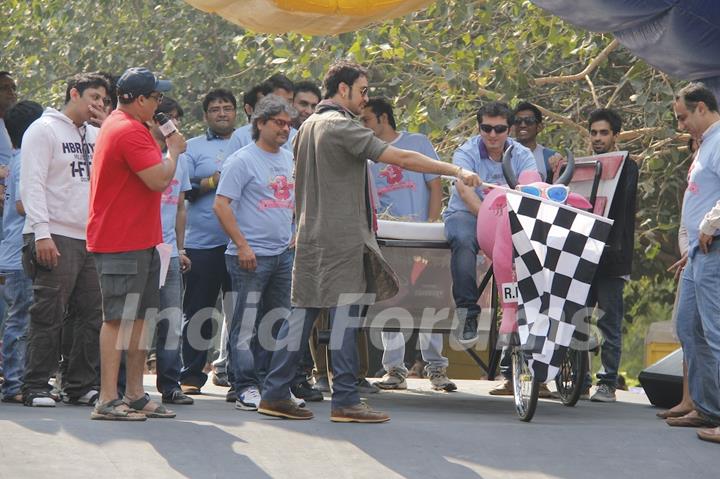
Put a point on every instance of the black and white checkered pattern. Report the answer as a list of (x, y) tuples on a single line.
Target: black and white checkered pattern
[(556, 250)]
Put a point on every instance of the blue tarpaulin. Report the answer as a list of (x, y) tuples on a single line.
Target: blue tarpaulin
[(679, 37)]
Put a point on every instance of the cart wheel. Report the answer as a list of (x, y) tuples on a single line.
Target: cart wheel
[(569, 380), (525, 388)]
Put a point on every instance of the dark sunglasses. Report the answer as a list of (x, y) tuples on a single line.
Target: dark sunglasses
[(526, 120), (498, 128)]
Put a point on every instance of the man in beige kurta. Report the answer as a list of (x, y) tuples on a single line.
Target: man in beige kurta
[(338, 264)]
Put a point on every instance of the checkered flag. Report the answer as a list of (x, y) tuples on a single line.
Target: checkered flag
[(556, 249)]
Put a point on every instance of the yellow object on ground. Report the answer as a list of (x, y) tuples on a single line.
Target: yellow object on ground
[(314, 17), (660, 341)]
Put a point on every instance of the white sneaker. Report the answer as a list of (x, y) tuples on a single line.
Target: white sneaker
[(393, 379), (43, 402), (439, 379), (299, 402), (248, 400), (604, 393)]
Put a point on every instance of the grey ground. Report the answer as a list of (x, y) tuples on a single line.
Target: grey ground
[(466, 434)]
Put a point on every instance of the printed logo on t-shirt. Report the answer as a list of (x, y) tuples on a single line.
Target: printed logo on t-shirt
[(282, 191), (494, 178), (167, 197), (81, 165), (394, 177)]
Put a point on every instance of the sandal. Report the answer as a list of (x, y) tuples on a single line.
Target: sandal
[(159, 412), (115, 410), (90, 398)]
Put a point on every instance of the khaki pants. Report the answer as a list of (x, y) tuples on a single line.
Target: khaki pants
[(72, 286)]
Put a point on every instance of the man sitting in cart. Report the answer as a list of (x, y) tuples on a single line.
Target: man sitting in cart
[(481, 154)]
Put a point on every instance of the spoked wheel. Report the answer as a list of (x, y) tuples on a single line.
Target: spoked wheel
[(569, 380), (525, 388)]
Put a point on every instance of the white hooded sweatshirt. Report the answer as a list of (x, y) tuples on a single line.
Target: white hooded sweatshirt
[(55, 181)]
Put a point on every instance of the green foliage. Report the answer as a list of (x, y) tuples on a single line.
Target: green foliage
[(648, 300), (436, 65)]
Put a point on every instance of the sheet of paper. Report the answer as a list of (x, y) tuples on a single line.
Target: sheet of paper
[(164, 250)]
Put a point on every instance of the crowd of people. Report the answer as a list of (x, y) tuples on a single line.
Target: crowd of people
[(121, 236)]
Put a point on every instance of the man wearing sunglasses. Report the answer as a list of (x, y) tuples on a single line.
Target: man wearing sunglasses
[(481, 154), (338, 265), (528, 124)]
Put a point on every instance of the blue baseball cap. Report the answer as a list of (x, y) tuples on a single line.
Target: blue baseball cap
[(138, 81)]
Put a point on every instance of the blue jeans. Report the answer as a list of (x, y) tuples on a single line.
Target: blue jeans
[(254, 325), (698, 328), (18, 295), (204, 281), (607, 294), (460, 230), (169, 331), (295, 332)]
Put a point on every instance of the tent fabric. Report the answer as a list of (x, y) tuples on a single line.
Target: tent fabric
[(313, 17), (679, 37)]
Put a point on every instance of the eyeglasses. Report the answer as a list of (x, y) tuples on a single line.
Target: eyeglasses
[(281, 123), (11, 87), (526, 120), (498, 128), (364, 91), (157, 97), (558, 193)]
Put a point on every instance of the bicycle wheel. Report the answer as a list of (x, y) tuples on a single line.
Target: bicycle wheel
[(525, 388), (569, 381)]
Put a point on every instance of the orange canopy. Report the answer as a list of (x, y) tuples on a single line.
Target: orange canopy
[(314, 17)]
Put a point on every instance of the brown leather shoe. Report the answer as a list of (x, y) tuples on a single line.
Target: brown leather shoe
[(691, 419), (358, 413), (670, 413), (712, 435), (285, 408), (505, 389), (190, 390)]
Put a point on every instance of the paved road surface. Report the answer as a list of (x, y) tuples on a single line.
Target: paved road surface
[(467, 434)]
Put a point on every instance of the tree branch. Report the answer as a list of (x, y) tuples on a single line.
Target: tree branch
[(630, 135), (592, 90), (564, 120), (588, 69)]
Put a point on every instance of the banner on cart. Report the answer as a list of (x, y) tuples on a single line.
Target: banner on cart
[(556, 249)]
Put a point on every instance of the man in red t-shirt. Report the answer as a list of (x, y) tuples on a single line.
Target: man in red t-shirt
[(128, 177)]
